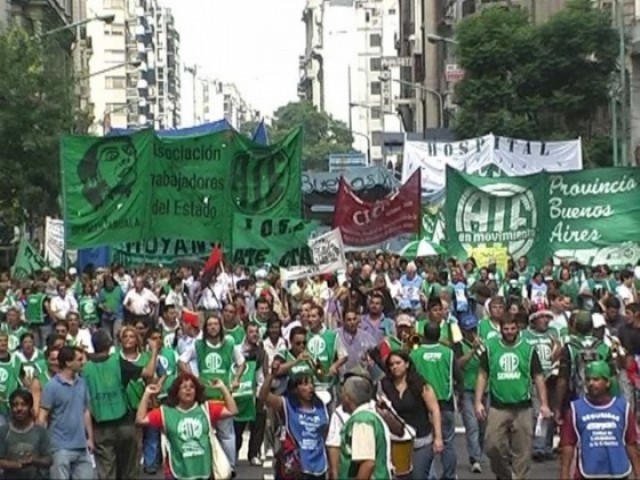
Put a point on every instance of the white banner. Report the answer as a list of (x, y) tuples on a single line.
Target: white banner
[(486, 156), (328, 257), (54, 242)]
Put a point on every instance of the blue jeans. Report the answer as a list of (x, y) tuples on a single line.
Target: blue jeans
[(422, 461), (448, 456), (150, 447), (226, 435), (71, 464), (474, 429)]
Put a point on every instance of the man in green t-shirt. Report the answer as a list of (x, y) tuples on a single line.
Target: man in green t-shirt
[(509, 366), (365, 447)]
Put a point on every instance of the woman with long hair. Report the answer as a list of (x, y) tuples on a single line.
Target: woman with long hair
[(305, 418), (186, 419), (415, 402)]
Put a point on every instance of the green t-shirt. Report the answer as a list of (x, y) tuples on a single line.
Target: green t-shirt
[(470, 369), (245, 394), (214, 362), (434, 363), (322, 347), (88, 309)]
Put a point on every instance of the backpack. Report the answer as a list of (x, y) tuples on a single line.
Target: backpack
[(583, 351)]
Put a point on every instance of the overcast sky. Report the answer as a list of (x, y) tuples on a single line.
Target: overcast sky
[(252, 43)]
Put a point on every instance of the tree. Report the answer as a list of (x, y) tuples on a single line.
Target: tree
[(323, 135), (550, 81), (36, 107)]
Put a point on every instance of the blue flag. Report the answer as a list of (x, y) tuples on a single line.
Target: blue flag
[(218, 126), (261, 135)]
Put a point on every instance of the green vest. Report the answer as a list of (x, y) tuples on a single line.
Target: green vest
[(35, 309), (168, 335), (471, 368), (543, 344), (322, 347), (33, 366), (237, 334), (189, 453), (107, 399), (349, 469), (509, 371), (434, 363), (88, 308), (262, 326), (245, 395), (167, 358), (302, 367), (487, 330), (214, 362), (14, 336), (10, 381), (135, 388)]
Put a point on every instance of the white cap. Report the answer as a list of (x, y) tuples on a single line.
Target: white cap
[(261, 274), (598, 320), (73, 271)]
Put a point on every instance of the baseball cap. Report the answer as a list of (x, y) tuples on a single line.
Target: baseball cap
[(468, 321), (73, 271), (404, 320), (598, 369), (598, 320), (540, 313)]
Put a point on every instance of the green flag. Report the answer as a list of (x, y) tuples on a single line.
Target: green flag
[(592, 216), (28, 261), (141, 187), (281, 241)]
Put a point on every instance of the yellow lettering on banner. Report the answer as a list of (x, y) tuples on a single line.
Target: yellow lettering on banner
[(482, 255)]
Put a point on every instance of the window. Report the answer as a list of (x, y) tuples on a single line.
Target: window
[(376, 113), (115, 82), (376, 88), (375, 40), (113, 3), (116, 107), (114, 56), (116, 30), (375, 64)]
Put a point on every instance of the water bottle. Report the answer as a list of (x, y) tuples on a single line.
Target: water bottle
[(541, 427)]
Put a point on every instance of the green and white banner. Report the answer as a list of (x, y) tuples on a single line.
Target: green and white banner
[(281, 241), (142, 187), (592, 216)]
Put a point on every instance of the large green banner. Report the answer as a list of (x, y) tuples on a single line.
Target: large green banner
[(281, 241), (167, 252), (591, 216), (141, 187)]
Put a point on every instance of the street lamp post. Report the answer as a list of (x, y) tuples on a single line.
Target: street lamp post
[(424, 89), (108, 19)]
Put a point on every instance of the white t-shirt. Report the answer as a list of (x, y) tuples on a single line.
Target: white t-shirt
[(625, 294), (140, 303), (338, 418)]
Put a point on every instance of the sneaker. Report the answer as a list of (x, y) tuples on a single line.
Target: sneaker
[(256, 462), (269, 453), (476, 467)]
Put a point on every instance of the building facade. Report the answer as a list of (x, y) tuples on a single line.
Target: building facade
[(352, 43), (134, 67)]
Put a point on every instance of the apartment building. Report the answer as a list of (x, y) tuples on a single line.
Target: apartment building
[(236, 109), (352, 43), (134, 68)]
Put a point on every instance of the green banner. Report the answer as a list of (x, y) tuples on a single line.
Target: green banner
[(141, 187), (591, 216), (281, 241), (163, 251), (28, 261)]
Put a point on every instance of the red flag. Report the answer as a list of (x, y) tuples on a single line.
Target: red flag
[(209, 270)]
